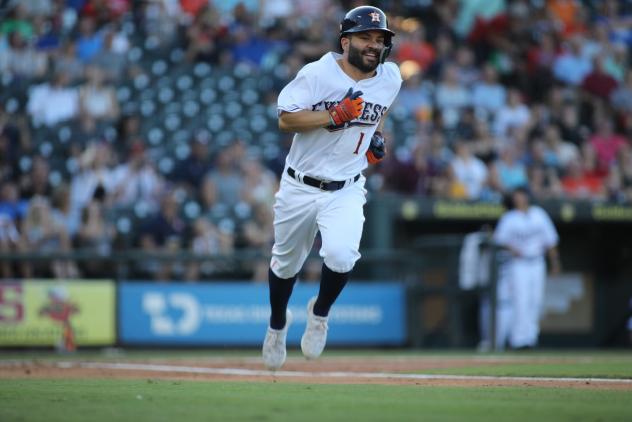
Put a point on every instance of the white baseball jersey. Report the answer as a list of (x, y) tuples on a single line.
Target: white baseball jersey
[(522, 279), (336, 153), (531, 233)]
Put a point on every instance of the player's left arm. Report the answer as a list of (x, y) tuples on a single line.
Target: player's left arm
[(552, 239), (554, 260), (377, 147)]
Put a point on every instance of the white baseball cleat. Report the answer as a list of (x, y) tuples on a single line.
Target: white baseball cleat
[(274, 351), (315, 336)]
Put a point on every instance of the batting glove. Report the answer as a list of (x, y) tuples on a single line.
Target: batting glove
[(347, 109), (377, 149)]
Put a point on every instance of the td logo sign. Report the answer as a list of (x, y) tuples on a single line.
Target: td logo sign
[(172, 314)]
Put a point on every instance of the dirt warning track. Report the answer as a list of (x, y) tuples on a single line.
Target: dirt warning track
[(356, 370)]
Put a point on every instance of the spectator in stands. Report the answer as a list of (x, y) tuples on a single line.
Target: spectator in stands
[(606, 144), (64, 215), (488, 95), (571, 67), (621, 97), (416, 95), (581, 183), (434, 162), (544, 183), (54, 102), (164, 232), (259, 183), (467, 174), (17, 20), (190, 172), (565, 152), (36, 182), (598, 82), (12, 210), (258, 233), (95, 172), (571, 129), (112, 60), (206, 37), (96, 233), (226, 178), (9, 243), (137, 181), (484, 144), (128, 129), (14, 142), (90, 41), (514, 116), (22, 60), (413, 46), (66, 61), (451, 96), (508, 173), (624, 165), (400, 173), (209, 240), (96, 99), (42, 234)]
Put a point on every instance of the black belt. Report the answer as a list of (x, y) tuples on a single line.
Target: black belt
[(321, 184)]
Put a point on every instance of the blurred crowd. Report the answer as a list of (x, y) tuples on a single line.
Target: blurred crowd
[(496, 94)]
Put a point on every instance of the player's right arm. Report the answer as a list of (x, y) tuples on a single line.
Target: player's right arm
[(303, 120), (347, 109)]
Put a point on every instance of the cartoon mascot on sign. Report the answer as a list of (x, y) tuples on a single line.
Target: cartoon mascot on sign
[(60, 309)]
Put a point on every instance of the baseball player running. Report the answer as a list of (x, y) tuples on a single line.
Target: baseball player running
[(336, 106), (527, 232)]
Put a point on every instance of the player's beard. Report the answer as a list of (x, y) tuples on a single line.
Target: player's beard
[(357, 59)]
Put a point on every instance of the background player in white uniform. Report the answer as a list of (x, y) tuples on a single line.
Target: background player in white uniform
[(527, 232), (336, 106)]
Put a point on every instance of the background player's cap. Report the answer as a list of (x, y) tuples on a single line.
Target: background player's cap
[(367, 18)]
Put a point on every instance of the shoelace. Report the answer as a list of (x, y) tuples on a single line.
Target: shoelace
[(274, 337), (319, 324)]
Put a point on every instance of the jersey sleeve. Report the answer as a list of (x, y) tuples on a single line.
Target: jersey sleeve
[(297, 95), (502, 233)]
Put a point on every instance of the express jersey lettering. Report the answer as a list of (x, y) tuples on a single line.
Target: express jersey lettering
[(336, 152)]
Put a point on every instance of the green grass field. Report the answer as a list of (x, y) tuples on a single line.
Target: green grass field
[(154, 399), (143, 400)]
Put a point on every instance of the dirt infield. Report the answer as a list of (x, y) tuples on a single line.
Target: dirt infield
[(355, 370)]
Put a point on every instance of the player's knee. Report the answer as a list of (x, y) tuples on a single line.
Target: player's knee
[(340, 259), (283, 269)]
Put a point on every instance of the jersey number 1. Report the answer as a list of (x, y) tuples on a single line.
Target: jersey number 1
[(359, 143)]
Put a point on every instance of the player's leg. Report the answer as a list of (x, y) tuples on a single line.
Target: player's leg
[(294, 232), (340, 220), (537, 284), (504, 311), (520, 303)]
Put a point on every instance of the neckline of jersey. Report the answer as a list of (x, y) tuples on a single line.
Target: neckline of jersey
[(335, 56)]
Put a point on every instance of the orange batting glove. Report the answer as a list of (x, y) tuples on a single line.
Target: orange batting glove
[(347, 109)]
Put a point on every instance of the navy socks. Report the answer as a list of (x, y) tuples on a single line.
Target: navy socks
[(331, 284), (280, 292)]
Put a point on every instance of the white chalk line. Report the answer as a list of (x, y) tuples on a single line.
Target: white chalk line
[(333, 374)]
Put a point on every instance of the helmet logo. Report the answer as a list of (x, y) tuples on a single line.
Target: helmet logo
[(375, 17)]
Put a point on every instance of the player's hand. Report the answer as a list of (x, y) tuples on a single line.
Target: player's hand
[(347, 109), (377, 148)]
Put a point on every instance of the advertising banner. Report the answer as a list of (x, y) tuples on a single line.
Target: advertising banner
[(236, 314), (57, 313)]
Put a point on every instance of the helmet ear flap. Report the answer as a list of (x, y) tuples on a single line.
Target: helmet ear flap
[(385, 52)]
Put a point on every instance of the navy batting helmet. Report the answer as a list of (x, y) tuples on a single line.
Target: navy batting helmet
[(368, 18)]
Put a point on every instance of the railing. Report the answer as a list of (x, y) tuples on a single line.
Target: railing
[(409, 266)]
